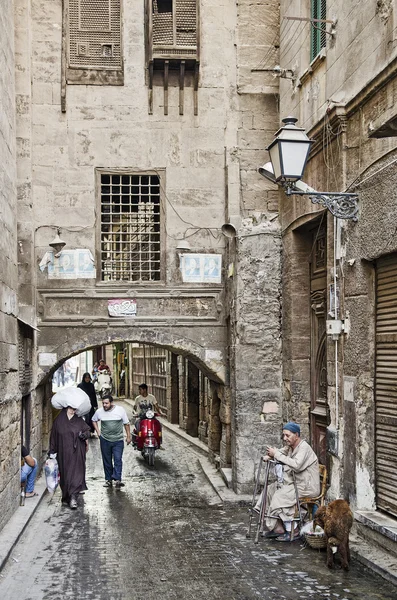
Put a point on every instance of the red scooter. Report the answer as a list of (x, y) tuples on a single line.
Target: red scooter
[(148, 438)]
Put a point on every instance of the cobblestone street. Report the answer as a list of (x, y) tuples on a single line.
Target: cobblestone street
[(165, 535)]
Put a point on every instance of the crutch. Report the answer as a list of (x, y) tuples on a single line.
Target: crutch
[(256, 488)]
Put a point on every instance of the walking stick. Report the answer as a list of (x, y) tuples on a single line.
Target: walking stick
[(299, 506), (262, 514), (256, 487)]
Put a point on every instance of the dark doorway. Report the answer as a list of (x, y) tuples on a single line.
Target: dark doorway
[(319, 410)]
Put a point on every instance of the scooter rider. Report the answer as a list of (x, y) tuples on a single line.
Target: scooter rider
[(143, 402)]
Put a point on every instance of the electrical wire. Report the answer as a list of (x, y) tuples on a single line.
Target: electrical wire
[(197, 228)]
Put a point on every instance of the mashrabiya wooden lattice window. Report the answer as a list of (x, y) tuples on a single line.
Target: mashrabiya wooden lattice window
[(130, 227), (94, 38), (173, 46)]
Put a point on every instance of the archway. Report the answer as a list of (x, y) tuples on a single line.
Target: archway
[(195, 374)]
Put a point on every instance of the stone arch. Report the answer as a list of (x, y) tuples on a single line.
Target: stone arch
[(67, 342)]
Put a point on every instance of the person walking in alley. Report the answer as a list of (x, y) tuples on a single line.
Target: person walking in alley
[(69, 441), (28, 472), (88, 387), (298, 458), (113, 419)]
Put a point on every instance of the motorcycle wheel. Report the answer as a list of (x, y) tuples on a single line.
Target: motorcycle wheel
[(151, 452)]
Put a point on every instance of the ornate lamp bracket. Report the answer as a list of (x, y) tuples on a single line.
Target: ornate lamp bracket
[(341, 205)]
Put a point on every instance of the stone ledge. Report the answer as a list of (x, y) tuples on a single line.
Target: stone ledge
[(374, 558), (379, 522), (13, 530), (227, 476)]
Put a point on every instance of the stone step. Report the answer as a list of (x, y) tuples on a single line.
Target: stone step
[(373, 556), (378, 529)]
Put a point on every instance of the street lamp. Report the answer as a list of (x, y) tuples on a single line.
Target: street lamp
[(289, 152), (57, 244)]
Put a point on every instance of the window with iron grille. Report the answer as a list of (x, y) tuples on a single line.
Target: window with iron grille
[(318, 37), (130, 227)]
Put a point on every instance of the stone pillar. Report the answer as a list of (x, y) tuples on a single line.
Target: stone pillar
[(255, 351), (214, 424), (173, 386), (182, 391), (192, 399), (225, 420)]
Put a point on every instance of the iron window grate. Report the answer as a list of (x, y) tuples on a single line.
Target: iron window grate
[(130, 227)]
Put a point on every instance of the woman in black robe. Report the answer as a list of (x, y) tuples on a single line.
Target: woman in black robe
[(69, 441), (88, 387)]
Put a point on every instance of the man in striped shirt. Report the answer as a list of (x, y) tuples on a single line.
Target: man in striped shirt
[(114, 420)]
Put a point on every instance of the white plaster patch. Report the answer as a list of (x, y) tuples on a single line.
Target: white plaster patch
[(47, 359), (365, 491), (213, 355), (270, 407)]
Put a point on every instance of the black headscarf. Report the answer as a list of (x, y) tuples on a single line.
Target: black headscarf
[(89, 389)]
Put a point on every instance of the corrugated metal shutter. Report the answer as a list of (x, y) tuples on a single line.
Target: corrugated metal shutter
[(386, 384)]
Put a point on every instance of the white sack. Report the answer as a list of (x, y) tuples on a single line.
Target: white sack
[(73, 397)]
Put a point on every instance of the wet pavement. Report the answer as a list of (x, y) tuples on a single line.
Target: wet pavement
[(165, 535)]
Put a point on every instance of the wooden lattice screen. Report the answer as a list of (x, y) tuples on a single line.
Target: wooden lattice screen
[(92, 44), (173, 46)]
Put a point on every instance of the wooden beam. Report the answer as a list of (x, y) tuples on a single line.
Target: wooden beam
[(150, 91), (166, 71), (181, 86), (195, 88)]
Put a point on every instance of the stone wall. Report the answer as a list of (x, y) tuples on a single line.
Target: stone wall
[(362, 46), (255, 347), (9, 395)]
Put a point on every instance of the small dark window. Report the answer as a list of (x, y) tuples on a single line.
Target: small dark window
[(163, 6)]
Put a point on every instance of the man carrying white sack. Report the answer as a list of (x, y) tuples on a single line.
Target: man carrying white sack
[(299, 458)]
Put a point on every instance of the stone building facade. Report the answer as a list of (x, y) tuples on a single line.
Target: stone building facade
[(339, 80), (9, 402), (155, 110)]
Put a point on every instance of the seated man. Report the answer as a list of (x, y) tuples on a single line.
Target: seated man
[(299, 458), (28, 472)]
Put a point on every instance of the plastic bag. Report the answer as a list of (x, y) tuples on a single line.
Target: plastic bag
[(74, 397), (51, 472), (308, 528)]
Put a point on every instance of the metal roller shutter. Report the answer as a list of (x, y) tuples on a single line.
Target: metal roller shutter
[(386, 384)]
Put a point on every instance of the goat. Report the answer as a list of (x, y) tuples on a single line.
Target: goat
[(336, 519)]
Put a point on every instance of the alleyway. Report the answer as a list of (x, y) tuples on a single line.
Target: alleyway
[(191, 546)]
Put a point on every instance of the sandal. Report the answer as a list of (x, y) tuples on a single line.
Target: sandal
[(286, 537), (271, 535), (31, 494)]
